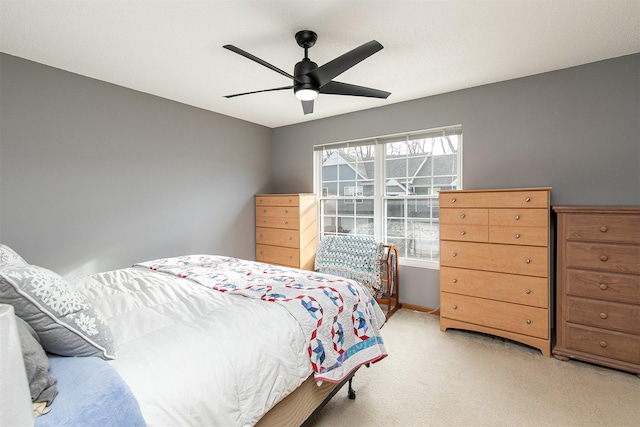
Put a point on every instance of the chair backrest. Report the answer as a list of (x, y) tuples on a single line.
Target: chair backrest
[(353, 257)]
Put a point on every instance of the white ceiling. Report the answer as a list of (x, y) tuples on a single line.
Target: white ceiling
[(173, 49)]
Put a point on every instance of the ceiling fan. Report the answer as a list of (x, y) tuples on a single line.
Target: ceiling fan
[(309, 79)]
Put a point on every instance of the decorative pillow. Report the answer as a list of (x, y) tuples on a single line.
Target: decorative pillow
[(60, 314), (9, 256), (42, 383)]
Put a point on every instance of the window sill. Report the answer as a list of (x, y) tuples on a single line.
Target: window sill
[(410, 262)]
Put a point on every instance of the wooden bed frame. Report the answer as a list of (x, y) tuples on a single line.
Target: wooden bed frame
[(303, 404)]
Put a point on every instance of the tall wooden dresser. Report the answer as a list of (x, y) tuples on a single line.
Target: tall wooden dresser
[(494, 263), (286, 229), (598, 286)]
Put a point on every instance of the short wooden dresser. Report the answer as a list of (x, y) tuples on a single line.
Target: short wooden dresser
[(494, 263), (598, 286), (286, 229)]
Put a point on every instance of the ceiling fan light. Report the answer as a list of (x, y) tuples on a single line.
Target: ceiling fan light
[(306, 94)]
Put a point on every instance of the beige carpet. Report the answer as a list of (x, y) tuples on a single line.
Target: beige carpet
[(459, 378)]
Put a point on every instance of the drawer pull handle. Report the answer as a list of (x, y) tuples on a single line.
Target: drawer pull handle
[(462, 216), (454, 281), (454, 254), (290, 238), (528, 321), (604, 258), (603, 315), (603, 344), (528, 291), (286, 212), (517, 217), (528, 199), (462, 233), (264, 211), (528, 261), (604, 229), (603, 286), (290, 256), (286, 223), (264, 222), (455, 307), (517, 236), (290, 201), (453, 200)]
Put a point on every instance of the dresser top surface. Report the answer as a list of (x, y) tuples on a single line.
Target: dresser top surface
[(598, 209), (497, 190)]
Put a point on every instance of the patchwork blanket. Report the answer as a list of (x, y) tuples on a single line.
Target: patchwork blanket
[(340, 318), (352, 256)]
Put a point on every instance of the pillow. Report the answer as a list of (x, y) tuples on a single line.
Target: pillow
[(9, 256), (42, 383), (60, 314)]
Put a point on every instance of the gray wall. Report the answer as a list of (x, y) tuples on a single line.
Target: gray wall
[(94, 176), (576, 130)]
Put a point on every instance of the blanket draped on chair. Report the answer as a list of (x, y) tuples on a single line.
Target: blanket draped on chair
[(352, 257)]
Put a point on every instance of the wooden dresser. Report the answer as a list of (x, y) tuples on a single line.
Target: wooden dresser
[(286, 229), (494, 263), (598, 286)]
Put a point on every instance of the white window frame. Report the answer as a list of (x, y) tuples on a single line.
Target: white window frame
[(380, 182)]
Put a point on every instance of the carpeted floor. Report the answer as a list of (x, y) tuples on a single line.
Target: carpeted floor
[(460, 378)]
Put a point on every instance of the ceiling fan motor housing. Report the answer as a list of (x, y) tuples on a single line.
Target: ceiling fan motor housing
[(301, 71)]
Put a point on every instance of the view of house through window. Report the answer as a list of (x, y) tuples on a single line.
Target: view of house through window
[(388, 187)]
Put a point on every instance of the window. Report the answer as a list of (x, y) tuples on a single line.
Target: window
[(388, 187)]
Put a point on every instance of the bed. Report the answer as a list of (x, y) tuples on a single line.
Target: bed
[(193, 340)]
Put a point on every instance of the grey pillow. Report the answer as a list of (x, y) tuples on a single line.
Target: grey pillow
[(63, 318), (9, 256), (42, 383)]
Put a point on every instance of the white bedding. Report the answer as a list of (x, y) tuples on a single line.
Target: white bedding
[(162, 327)]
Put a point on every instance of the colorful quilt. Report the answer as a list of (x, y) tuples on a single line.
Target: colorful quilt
[(340, 318)]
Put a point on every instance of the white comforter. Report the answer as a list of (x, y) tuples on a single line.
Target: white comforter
[(186, 352)]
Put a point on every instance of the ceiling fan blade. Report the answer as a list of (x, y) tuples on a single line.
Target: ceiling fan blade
[(307, 107), (258, 91), (260, 61), (325, 73), (337, 88)]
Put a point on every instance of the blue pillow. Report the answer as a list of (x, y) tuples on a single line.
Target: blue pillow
[(90, 393)]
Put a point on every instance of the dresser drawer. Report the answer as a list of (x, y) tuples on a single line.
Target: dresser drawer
[(605, 315), (278, 255), (519, 217), (603, 256), (464, 216), (603, 228), (521, 319), (498, 199), (533, 236), (613, 345), (292, 223), (464, 233), (526, 290), (527, 260), (604, 286), (278, 237), (278, 200), (277, 212)]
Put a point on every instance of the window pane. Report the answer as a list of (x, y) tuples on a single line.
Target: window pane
[(364, 226), (345, 225), (395, 208)]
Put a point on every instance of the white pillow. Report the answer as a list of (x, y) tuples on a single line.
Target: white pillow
[(9, 256), (63, 318)]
